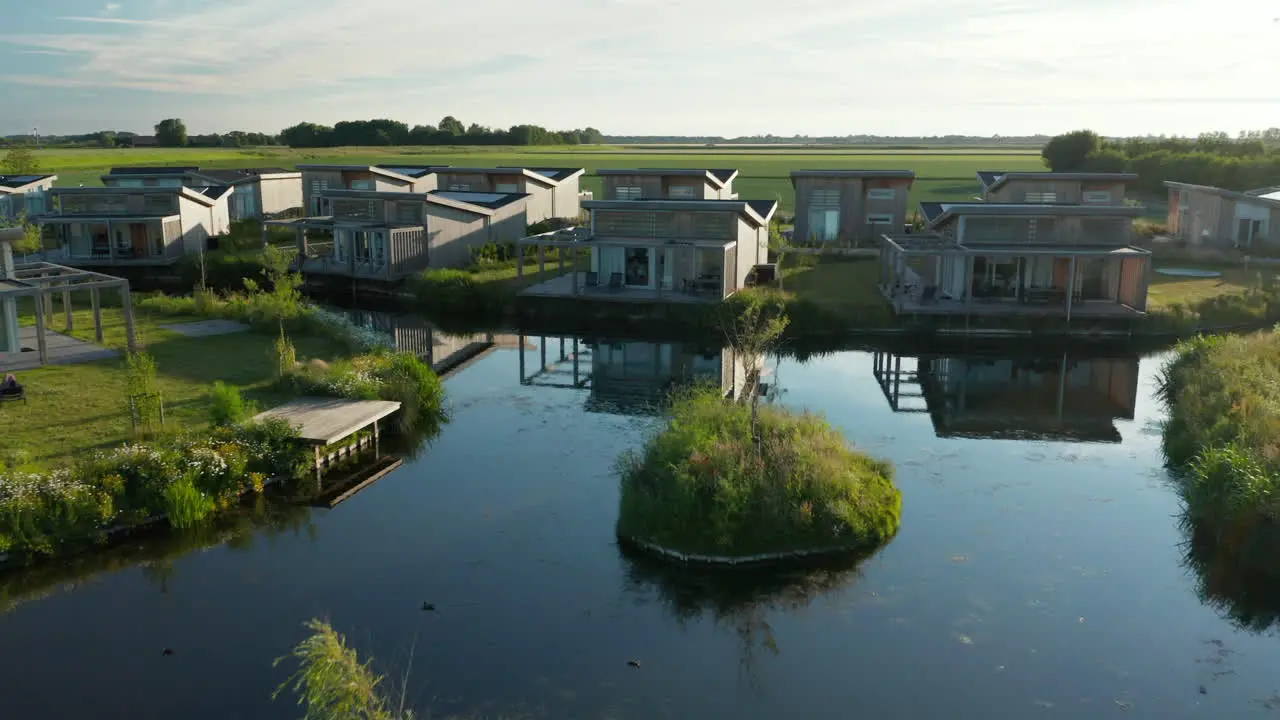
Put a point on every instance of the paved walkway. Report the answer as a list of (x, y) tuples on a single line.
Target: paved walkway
[(62, 349), (206, 328)]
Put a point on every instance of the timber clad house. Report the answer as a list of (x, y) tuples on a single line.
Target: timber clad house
[(133, 226), (553, 192), (1049, 187), (850, 207), (978, 259), (660, 250), (255, 192), (668, 183), (24, 195), (1211, 217), (318, 179), (388, 236)]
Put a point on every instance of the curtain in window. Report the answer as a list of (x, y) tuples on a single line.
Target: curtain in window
[(612, 260)]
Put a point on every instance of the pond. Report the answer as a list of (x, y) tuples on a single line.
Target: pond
[(1040, 570)]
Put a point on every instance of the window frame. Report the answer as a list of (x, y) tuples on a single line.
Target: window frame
[(882, 193)]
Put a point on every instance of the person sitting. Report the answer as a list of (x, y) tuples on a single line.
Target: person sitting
[(10, 386)]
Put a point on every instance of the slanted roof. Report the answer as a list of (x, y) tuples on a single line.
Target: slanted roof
[(558, 174), (411, 171), (375, 169), (480, 203), (1271, 200), (757, 211), (909, 175), (939, 213), (992, 179), (214, 192), (196, 194), (719, 178), (14, 183)]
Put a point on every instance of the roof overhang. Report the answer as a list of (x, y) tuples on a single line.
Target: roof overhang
[(939, 214), (459, 205), (41, 179), (357, 168)]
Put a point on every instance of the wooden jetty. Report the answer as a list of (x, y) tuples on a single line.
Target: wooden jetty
[(325, 421)]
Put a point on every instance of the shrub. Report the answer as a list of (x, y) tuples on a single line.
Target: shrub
[(43, 514), (447, 292), (185, 505), (401, 377), (226, 407), (704, 484)]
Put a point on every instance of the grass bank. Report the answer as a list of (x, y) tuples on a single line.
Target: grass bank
[(705, 484)]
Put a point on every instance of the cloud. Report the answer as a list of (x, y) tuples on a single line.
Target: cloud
[(678, 63)]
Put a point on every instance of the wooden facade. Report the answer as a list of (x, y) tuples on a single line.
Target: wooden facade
[(553, 192), (849, 208), (1209, 217), (140, 226), (668, 184), (1050, 187)]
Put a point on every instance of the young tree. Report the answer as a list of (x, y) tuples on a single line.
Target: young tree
[(19, 160), (171, 132), (1069, 152), (754, 323)]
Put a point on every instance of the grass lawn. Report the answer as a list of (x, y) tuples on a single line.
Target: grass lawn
[(74, 409), (942, 173), (837, 284), (1167, 290)]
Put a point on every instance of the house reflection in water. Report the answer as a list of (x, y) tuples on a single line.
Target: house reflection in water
[(1017, 398), (445, 353), (624, 376)]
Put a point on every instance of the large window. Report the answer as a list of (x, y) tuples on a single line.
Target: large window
[(824, 215), (881, 194), (319, 206), (628, 224), (628, 193), (159, 204), (637, 268)]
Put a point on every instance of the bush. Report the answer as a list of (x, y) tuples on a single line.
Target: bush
[(226, 407), (447, 292), (1223, 430), (401, 377), (43, 514), (185, 505), (705, 485)]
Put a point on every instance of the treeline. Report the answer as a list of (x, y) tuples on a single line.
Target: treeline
[(1247, 162), (450, 131), (886, 140), (124, 138)]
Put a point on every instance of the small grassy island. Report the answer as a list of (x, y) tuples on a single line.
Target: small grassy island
[(1223, 395), (730, 481)]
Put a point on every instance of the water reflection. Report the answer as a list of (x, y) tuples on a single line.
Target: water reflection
[(446, 353), (1068, 396), (1236, 571), (627, 376), (155, 552), (740, 599)]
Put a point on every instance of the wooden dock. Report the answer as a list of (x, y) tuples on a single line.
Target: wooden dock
[(325, 421)]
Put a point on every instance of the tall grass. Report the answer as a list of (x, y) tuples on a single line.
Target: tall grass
[(185, 505), (332, 683), (704, 485), (226, 406)]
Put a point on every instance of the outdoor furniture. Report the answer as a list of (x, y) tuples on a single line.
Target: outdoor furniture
[(928, 294), (593, 279), (615, 281), (11, 390)]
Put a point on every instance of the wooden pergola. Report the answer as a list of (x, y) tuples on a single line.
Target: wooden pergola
[(42, 280)]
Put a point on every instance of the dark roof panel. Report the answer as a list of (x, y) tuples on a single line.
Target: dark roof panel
[(988, 177), (723, 175), (17, 181), (213, 193), (413, 171), (492, 201), (763, 208)]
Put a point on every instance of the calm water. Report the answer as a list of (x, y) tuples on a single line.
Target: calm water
[(1040, 574)]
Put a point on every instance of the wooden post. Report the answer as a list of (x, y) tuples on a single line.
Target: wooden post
[(575, 361), (317, 467), (377, 441), (542, 260), (519, 261), (96, 302), (264, 234), (1062, 384), (1071, 287), (574, 272), (41, 342), (66, 306), (126, 304), (47, 299), (520, 352)]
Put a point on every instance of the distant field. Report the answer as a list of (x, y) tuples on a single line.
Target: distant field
[(942, 173)]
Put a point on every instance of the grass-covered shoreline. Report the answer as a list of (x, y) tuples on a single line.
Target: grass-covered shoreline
[(703, 485)]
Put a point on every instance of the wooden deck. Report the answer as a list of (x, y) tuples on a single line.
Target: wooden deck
[(562, 286), (324, 421), (1109, 310)]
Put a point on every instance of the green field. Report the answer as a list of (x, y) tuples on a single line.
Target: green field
[(942, 174)]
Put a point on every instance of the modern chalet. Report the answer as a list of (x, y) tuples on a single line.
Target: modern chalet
[(318, 179), (668, 184), (1211, 217), (133, 226), (660, 250), (388, 236), (849, 208), (553, 192), (256, 193), (985, 259), (1085, 188), (24, 195)]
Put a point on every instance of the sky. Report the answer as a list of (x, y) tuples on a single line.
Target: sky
[(646, 67)]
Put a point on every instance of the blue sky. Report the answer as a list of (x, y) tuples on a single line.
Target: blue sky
[(901, 67)]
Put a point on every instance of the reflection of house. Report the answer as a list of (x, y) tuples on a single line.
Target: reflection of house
[(1054, 187), (318, 179), (445, 353), (255, 192), (24, 195), (139, 226), (388, 236), (1046, 398), (627, 376), (1213, 217), (997, 259), (553, 192), (850, 206), (661, 250), (667, 183)]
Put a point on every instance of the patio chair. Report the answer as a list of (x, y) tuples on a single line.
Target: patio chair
[(929, 294), (615, 281), (593, 279)]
